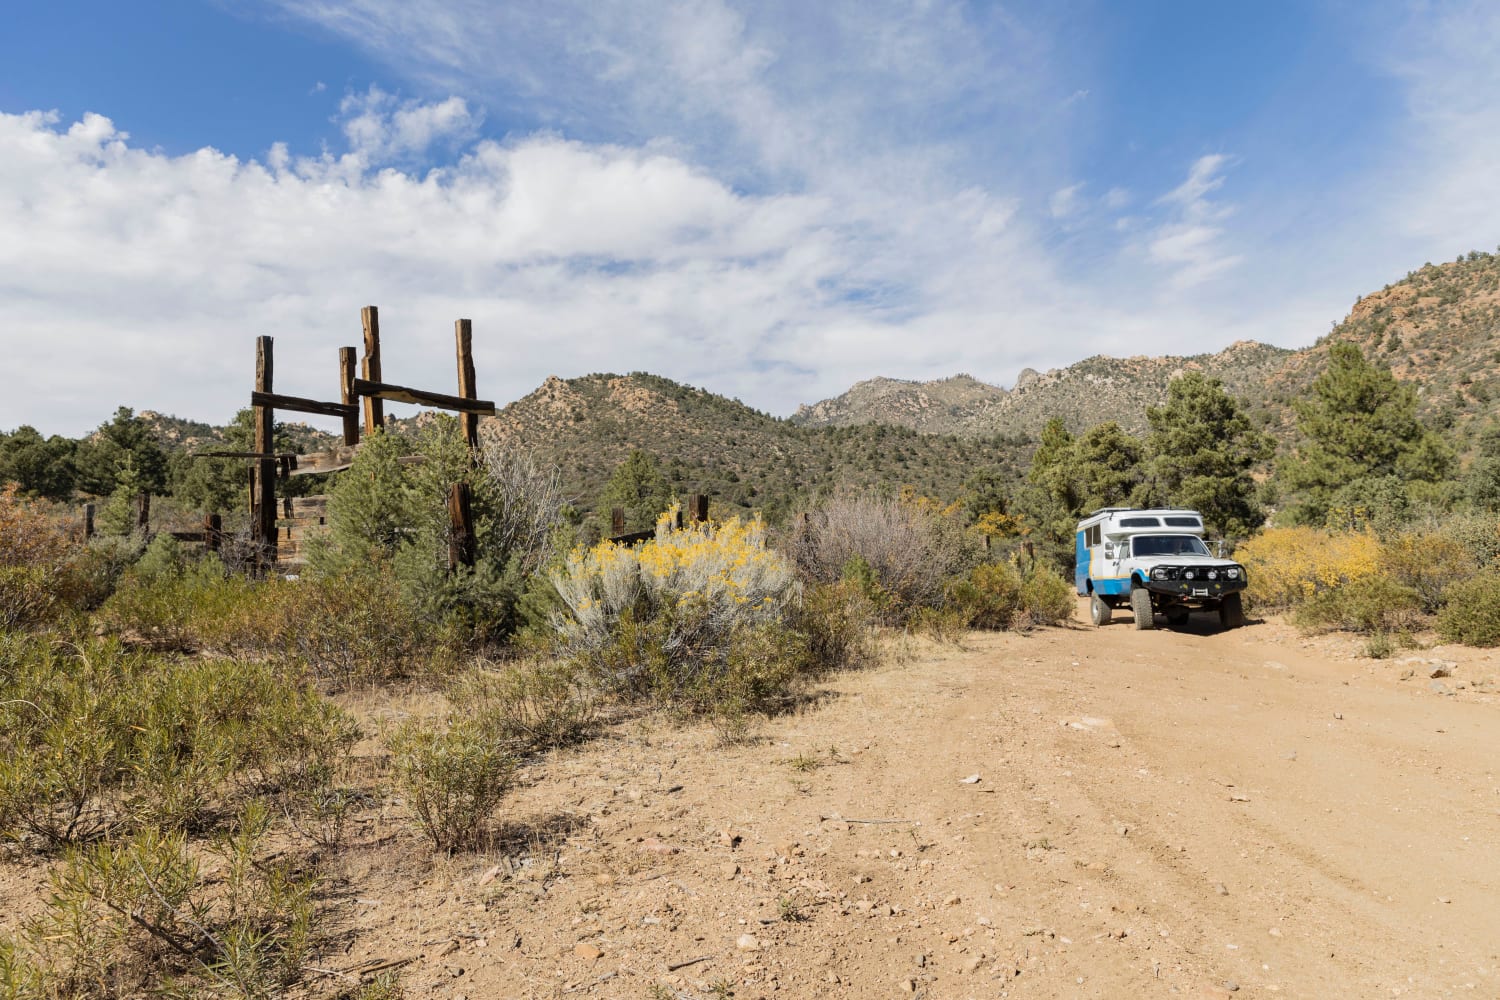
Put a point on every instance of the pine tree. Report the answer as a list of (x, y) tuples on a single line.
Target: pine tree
[(1202, 448), (638, 486), (41, 466), (99, 459), (1358, 424)]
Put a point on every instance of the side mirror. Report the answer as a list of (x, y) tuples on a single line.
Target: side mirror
[(1109, 550), (1219, 548)]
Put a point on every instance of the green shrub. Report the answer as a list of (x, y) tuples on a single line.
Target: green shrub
[(1429, 563), (949, 624), (836, 619), (998, 596), (136, 916), (388, 513), (66, 737), (176, 602), (1478, 533), (1472, 613), (988, 597), (95, 737), (530, 704), (158, 600), (1046, 598), (352, 628), (453, 780), (28, 597), (1367, 605)]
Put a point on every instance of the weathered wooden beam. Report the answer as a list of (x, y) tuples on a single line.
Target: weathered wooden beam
[(463, 333), (301, 405), (633, 537), (421, 397), (332, 460), (346, 388), (370, 365), (88, 521), (277, 456), (263, 519), (461, 541), (143, 513), (698, 507)]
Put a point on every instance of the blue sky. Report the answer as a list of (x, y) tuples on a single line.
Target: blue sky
[(770, 200)]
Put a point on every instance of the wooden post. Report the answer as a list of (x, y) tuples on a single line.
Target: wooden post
[(698, 507), (460, 527), (463, 333), (374, 408), (263, 509), (347, 374), (143, 513), (213, 532), (617, 521), (88, 521)]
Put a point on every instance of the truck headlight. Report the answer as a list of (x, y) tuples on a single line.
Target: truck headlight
[(1159, 573), (1189, 574), (1232, 572), (1213, 574)]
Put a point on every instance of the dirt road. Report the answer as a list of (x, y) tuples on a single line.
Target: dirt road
[(1156, 814)]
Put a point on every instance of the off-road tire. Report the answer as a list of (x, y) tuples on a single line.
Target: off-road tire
[(1231, 611), (1177, 616), (1140, 603), (1099, 611)]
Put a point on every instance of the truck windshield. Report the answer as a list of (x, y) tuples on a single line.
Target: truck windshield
[(1168, 545)]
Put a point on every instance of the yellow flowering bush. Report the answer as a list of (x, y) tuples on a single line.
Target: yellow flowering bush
[(1287, 566), (725, 567), (694, 616)]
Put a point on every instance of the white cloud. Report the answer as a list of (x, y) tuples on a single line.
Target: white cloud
[(382, 128), (1190, 243), (1202, 178), (160, 270), (1445, 192), (709, 189), (1065, 201)]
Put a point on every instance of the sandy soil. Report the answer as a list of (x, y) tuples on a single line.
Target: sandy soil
[(1075, 812), (1070, 813)]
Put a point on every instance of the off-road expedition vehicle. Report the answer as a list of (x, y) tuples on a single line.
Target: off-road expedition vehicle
[(1154, 561)]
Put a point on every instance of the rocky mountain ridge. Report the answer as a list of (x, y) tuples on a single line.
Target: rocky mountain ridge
[(1438, 328)]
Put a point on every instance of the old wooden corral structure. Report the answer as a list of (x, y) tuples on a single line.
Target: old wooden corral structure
[(365, 390)]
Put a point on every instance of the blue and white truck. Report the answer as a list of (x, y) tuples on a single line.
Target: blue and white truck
[(1154, 562)]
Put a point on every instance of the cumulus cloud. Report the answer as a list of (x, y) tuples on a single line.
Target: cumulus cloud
[(166, 267), (381, 127), (773, 200)]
